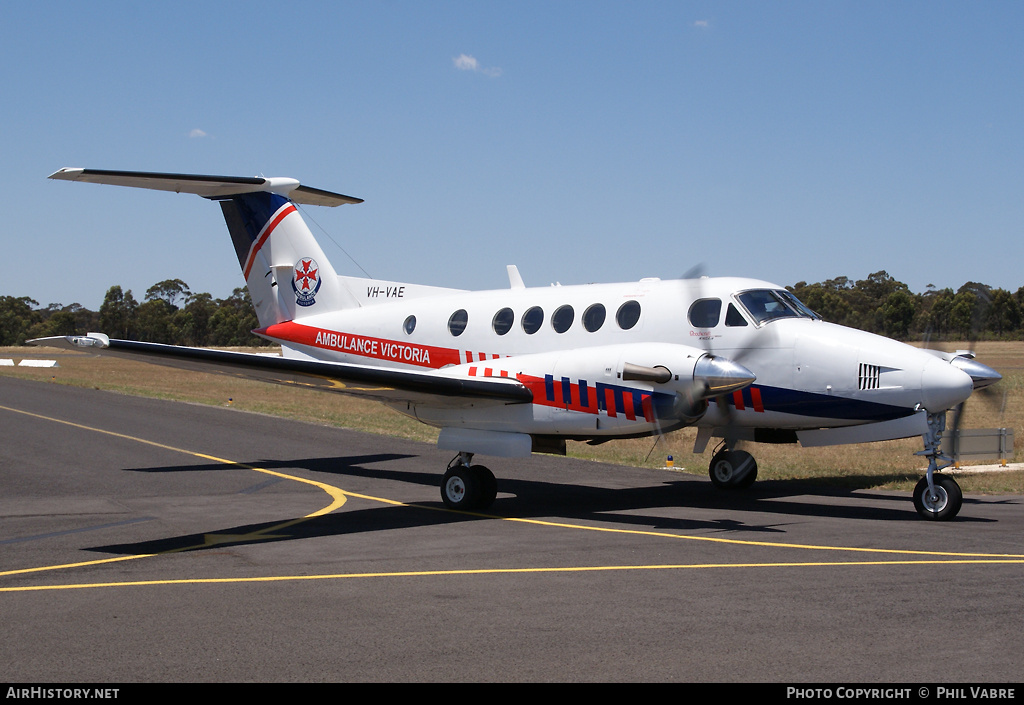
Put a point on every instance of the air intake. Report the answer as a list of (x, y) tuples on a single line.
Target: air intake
[(869, 376)]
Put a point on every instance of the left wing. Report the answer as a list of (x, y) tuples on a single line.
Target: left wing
[(435, 387)]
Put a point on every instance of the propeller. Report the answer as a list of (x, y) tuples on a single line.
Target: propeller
[(982, 376), (714, 376)]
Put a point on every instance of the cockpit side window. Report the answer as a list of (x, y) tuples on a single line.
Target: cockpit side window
[(734, 318), (765, 305), (797, 304), (704, 313)]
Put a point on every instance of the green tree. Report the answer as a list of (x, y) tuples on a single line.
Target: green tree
[(61, 322), (173, 291), (17, 316), (898, 313), (234, 321), (117, 313), (870, 300), (933, 318), (961, 314), (1004, 313), (154, 322), (193, 320)]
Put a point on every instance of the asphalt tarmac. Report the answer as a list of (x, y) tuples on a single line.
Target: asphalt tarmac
[(147, 541)]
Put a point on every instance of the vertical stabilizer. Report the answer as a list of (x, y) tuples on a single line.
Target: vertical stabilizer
[(288, 275)]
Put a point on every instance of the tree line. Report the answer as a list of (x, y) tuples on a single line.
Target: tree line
[(171, 313), (883, 305)]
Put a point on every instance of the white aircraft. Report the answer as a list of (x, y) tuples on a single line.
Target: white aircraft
[(519, 370)]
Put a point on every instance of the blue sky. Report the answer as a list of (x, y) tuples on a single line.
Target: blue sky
[(582, 141)]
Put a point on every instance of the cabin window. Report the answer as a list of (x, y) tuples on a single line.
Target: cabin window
[(503, 320), (533, 319), (562, 318), (627, 315), (593, 317), (457, 323), (409, 325), (704, 313), (734, 318)]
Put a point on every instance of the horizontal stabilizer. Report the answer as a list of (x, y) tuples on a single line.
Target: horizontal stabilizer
[(207, 186)]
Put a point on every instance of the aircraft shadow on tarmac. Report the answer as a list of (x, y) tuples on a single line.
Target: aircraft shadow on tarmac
[(528, 498)]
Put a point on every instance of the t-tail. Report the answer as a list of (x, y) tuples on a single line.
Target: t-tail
[(289, 277)]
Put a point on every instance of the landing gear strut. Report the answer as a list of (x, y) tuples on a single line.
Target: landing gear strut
[(732, 469), (467, 487), (937, 497)]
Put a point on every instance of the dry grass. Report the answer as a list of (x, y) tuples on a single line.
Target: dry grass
[(891, 464)]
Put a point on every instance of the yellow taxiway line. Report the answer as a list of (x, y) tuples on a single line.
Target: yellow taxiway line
[(339, 498)]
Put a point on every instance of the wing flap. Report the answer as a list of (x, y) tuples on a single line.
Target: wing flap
[(379, 383)]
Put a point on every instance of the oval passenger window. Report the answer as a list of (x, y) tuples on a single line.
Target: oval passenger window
[(533, 319), (457, 323), (562, 318), (502, 321), (628, 314)]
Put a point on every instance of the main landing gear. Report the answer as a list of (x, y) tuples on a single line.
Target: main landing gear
[(732, 469), (468, 487)]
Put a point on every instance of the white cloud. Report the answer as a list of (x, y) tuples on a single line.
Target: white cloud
[(701, 24), (465, 62), (197, 133)]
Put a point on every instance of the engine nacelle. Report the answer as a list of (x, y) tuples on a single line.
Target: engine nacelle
[(615, 389)]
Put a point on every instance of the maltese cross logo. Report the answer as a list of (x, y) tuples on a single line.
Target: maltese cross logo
[(306, 281)]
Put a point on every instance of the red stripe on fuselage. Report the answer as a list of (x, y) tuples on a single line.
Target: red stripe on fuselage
[(362, 345), (737, 399), (755, 399)]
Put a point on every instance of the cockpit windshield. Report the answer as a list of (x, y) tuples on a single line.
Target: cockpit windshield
[(765, 305)]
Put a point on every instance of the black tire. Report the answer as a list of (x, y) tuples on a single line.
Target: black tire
[(460, 488), (947, 500), (733, 470), (487, 485)]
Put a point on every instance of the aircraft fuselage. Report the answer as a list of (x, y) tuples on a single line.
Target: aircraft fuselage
[(570, 344)]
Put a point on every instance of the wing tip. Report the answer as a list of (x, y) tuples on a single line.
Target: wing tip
[(67, 173)]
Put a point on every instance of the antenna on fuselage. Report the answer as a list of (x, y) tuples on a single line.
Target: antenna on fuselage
[(515, 281)]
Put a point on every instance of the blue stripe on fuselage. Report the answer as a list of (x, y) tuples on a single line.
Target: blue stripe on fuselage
[(825, 406)]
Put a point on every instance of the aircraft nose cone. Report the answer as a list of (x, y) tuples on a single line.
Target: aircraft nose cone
[(721, 375), (981, 375), (943, 386)]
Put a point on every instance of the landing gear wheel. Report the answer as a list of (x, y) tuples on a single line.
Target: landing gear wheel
[(733, 470), (946, 501), (460, 488), (487, 486)]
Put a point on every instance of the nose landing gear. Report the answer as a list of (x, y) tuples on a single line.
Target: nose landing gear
[(937, 497)]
